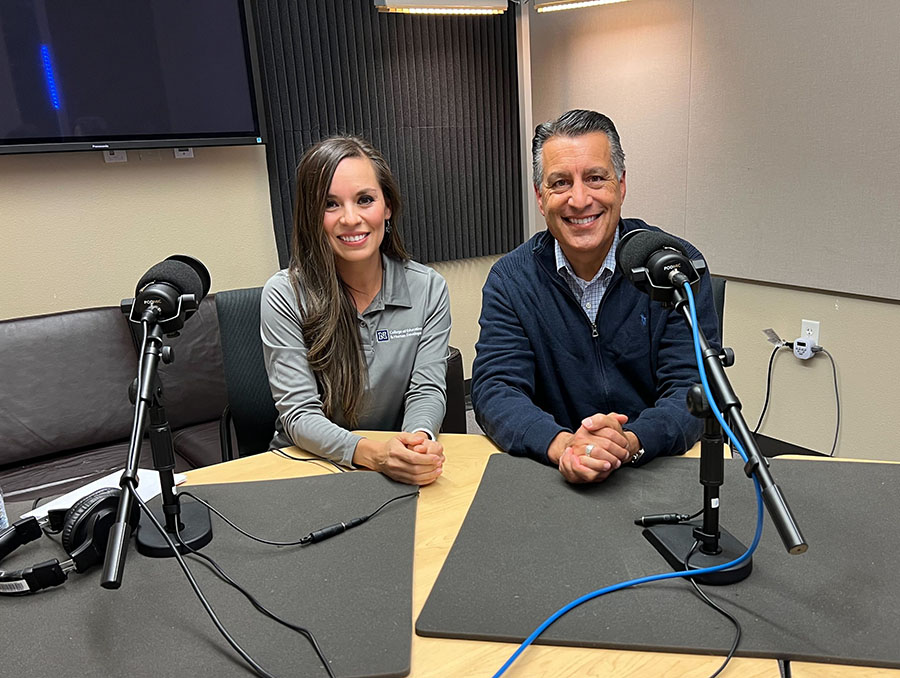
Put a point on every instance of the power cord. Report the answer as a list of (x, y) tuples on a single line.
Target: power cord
[(768, 386), (837, 395), (318, 461), (706, 599), (837, 401)]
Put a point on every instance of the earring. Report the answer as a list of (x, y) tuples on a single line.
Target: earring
[(387, 226)]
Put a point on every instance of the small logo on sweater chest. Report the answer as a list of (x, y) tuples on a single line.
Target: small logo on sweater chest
[(387, 335)]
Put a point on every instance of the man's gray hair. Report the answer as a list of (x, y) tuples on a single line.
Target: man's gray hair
[(576, 123)]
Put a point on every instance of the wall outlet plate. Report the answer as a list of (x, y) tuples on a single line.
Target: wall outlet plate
[(809, 331), (115, 156)]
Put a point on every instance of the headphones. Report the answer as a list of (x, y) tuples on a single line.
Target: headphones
[(85, 530)]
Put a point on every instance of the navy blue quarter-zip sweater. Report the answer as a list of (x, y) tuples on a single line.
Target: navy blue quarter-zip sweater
[(542, 366)]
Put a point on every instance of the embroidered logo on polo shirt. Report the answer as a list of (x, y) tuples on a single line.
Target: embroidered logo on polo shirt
[(387, 335)]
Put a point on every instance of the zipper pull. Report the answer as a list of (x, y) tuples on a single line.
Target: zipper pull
[(594, 332)]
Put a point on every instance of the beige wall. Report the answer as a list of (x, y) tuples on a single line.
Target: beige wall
[(465, 278), (78, 232), (634, 61), (802, 405)]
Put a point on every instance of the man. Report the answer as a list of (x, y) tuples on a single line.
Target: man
[(575, 367)]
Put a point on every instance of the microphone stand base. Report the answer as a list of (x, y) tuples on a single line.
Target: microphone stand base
[(196, 532), (674, 542)]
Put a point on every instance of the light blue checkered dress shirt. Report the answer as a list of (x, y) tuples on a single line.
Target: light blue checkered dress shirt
[(589, 293)]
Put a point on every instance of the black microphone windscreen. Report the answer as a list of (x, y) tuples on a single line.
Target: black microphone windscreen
[(180, 275), (199, 269), (636, 247)]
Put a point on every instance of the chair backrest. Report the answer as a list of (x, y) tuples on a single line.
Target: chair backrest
[(455, 417), (250, 400), (718, 291)]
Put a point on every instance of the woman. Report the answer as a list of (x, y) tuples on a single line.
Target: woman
[(355, 334)]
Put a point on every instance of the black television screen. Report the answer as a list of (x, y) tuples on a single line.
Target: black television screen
[(108, 74)]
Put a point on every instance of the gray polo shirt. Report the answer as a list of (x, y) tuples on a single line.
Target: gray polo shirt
[(405, 333)]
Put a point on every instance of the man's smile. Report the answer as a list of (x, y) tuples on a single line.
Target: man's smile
[(581, 221)]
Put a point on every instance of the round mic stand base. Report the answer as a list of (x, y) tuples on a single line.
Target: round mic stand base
[(194, 528), (675, 542)]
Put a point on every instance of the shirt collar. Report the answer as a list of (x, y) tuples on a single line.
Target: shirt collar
[(609, 263), (394, 288)]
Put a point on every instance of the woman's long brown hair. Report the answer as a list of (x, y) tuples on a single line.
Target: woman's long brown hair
[(328, 314)]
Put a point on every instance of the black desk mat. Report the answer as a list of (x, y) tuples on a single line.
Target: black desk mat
[(353, 591), (531, 543)]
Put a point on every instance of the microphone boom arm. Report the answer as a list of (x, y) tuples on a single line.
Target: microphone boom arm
[(725, 397)]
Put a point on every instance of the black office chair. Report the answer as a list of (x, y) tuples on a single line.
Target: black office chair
[(455, 417), (251, 412), (718, 292)]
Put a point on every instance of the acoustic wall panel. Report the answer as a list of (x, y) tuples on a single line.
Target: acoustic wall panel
[(437, 95)]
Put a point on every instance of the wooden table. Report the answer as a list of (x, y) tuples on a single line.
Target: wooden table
[(442, 507)]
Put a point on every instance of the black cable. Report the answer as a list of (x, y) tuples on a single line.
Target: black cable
[(318, 461), (312, 537), (768, 390), (400, 496), (46, 529), (706, 599), (194, 585), (837, 400), (306, 633)]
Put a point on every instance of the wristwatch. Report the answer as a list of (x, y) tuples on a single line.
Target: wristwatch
[(636, 456)]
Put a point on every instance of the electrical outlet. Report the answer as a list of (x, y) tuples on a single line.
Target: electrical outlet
[(809, 331), (115, 156)]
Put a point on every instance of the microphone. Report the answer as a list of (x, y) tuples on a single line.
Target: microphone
[(165, 296), (170, 292), (657, 263)]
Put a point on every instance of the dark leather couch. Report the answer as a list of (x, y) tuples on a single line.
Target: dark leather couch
[(65, 416)]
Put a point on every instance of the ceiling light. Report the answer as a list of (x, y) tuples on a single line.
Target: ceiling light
[(442, 6), (558, 5)]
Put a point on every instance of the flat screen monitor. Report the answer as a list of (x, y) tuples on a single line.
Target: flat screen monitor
[(104, 74)]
